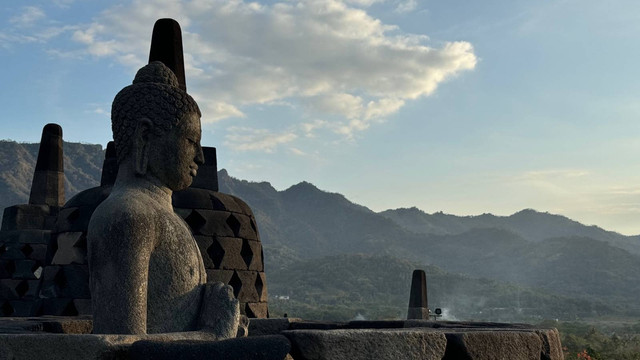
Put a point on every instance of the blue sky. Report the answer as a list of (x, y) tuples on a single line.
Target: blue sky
[(458, 106)]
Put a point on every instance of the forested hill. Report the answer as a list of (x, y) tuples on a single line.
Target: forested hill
[(531, 260)]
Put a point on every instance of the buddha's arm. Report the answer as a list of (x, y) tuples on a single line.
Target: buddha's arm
[(119, 255)]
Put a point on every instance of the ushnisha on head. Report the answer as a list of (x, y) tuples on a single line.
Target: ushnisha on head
[(156, 126)]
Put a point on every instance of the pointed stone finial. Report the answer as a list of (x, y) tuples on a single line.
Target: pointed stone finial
[(207, 177), (166, 46), (47, 187), (109, 165), (418, 305)]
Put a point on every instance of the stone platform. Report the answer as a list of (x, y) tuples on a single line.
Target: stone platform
[(69, 338)]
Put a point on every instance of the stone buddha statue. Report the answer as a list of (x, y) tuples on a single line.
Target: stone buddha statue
[(146, 271)]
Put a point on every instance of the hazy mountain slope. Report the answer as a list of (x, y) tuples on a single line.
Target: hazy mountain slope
[(529, 224), (315, 223), (339, 287), (82, 163)]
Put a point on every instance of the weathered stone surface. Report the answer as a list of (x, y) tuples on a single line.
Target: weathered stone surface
[(147, 274), (253, 257), (271, 326), (90, 197), (80, 346), (247, 290), (71, 249), (261, 287), (73, 219), (366, 344), (418, 305), (214, 275), (19, 217), (47, 186), (192, 198), (513, 345), (230, 204), (26, 236), (256, 310), (207, 177), (229, 248), (551, 346), (273, 347)]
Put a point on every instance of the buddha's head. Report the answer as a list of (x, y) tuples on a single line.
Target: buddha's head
[(156, 128)]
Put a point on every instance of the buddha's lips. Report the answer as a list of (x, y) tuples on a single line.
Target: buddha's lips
[(194, 172)]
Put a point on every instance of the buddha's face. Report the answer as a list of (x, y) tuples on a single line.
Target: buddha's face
[(175, 155)]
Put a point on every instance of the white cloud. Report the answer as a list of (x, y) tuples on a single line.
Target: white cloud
[(28, 17), (406, 6), (332, 58), (250, 139)]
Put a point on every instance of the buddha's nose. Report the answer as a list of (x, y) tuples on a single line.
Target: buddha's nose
[(199, 159)]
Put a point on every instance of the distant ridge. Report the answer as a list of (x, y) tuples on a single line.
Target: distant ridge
[(550, 258)]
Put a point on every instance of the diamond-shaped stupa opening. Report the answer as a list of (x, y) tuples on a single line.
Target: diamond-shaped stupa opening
[(22, 288), (234, 224), (259, 285), (195, 221), (246, 252), (216, 253), (27, 250), (60, 279), (7, 309), (236, 283)]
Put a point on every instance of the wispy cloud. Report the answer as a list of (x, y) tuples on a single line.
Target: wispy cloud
[(29, 16), (250, 139), (332, 58)]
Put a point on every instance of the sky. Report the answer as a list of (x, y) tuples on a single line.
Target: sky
[(465, 107)]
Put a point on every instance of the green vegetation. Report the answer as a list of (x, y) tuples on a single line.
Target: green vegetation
[(599, 339)]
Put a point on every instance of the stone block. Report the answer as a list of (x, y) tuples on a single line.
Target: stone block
[(215, 275), (513, 345), (245, 281), (66, 281), (271, 347), (20, 217), (418, 313), (11, 251), (83, 306), (247, 229), (7, 267), (229, 202), (271, 326), (255, 262), (192, 198), (91, 197), (59, 307), (204, 242), (47, 188), (71, 249), (27, 270), (261, 287), (244, 208), (37, 252), (25, 236), (210, 223), (355, 344), (256, 310), (9, 289), (24, 308), (230, 248), (551, 346), (74, 219)]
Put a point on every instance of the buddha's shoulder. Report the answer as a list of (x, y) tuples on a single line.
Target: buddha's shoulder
[(127, 207)]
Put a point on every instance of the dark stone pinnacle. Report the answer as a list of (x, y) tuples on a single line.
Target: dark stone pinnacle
[(47, 187), (166, 46), (418, 297), (207, 177)]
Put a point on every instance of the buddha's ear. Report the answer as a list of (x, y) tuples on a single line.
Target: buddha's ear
[(142, 136)]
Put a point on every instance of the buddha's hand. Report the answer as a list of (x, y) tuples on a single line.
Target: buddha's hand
[(220, 311)]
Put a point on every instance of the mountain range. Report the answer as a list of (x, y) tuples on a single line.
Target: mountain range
[(333, 258)]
